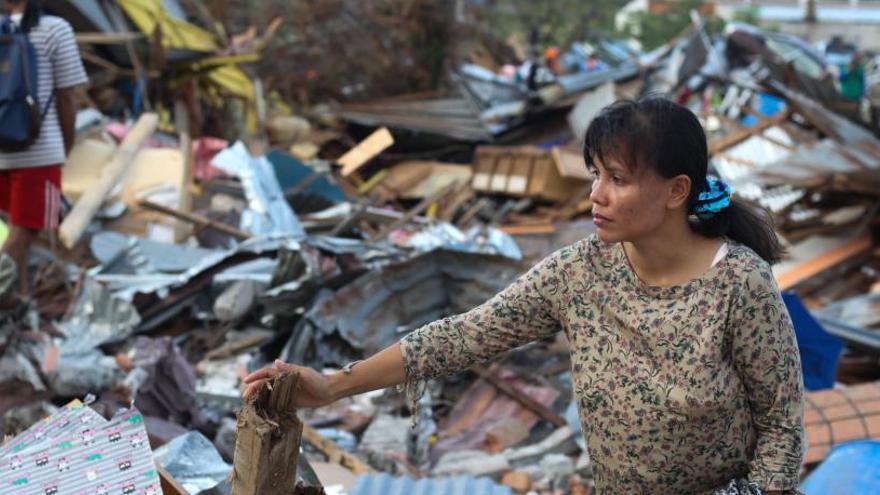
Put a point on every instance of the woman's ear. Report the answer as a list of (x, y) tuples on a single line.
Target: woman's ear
[(679, 191)]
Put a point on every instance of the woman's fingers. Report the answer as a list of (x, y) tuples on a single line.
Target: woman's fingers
[(257, 379), (281, 366), (261, 374), (252, 389)]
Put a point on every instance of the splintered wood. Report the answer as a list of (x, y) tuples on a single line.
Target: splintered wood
[(268, 440)]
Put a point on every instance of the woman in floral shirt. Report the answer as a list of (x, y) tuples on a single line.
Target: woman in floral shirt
[(685, 367)]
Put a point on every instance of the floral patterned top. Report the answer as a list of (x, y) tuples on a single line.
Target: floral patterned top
[(680, 389)]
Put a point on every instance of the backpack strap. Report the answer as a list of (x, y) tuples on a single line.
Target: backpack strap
[(48, 106), (7, 26)]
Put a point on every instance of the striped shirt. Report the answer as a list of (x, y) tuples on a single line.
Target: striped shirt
[(59, 66)]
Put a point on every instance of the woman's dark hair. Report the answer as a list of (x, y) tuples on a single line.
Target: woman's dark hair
[(669, 138), (32, 13)]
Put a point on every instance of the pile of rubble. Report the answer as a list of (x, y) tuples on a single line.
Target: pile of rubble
[(187, 262)]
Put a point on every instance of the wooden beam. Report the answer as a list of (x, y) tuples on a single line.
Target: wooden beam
[(181, 122), (303, 184), (335, 454), (471, 212), (526, 401), (88, 204), (534, 229), (107, 38), (235, 347), (170, 486), (740, 135), (356, 157), (199, 220), (268, 437), (821, 263), (356, 216), (416, 210)]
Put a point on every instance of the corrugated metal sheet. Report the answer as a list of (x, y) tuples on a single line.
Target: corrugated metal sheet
[(384, 484), (378, 308), (449, 116)]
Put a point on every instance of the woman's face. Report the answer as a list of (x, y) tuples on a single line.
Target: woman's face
[(628, 204)]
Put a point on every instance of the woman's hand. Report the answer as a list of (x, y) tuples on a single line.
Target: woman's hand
[(313, 391)]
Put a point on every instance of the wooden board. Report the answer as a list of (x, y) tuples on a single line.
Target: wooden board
[(570, 164), (356, 157), (814, 266), (84, 210), (419, 179), (526, 171)]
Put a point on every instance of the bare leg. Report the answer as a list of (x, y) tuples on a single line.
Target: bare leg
[(17, 246)]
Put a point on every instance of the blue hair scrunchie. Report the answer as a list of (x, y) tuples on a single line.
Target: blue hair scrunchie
[(715, 198)]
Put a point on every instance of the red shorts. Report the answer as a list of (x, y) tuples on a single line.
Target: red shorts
[(32, 196)]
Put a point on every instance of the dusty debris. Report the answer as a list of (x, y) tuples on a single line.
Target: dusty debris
[(243, 220)]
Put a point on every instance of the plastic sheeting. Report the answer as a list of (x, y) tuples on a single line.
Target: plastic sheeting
[(268, 211), (193, 461), (819, 350), (487, 240), (849, 469)]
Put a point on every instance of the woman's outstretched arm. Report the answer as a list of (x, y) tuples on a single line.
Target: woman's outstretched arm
[(384, 369), (525, 311)]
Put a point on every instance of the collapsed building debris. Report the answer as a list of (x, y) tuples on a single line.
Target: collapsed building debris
[(189, 261)]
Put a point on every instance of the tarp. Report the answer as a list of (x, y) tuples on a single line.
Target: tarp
[(819, 350), (849, 469), (149, 15), (177, 34)]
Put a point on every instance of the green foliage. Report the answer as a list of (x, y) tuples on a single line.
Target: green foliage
[(557, 22), (655, 30), (749, 15)]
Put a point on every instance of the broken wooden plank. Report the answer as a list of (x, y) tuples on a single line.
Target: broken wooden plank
[(356, 216), (472, 212), (181, 122), (267, 441), (201, 221), (335, 454), (356, 157), (534, 229), (813, 267), (236, 347), (461, 196), (170, 486), (88, 205), (529, 403), (303, 184), (740, 135), (107, 38), (415, 211)]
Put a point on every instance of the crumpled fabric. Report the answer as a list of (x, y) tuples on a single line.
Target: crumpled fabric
[(742, 486)]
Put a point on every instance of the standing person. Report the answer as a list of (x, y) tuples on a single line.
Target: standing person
[(852, 80), (30, 180), (685, 368)]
